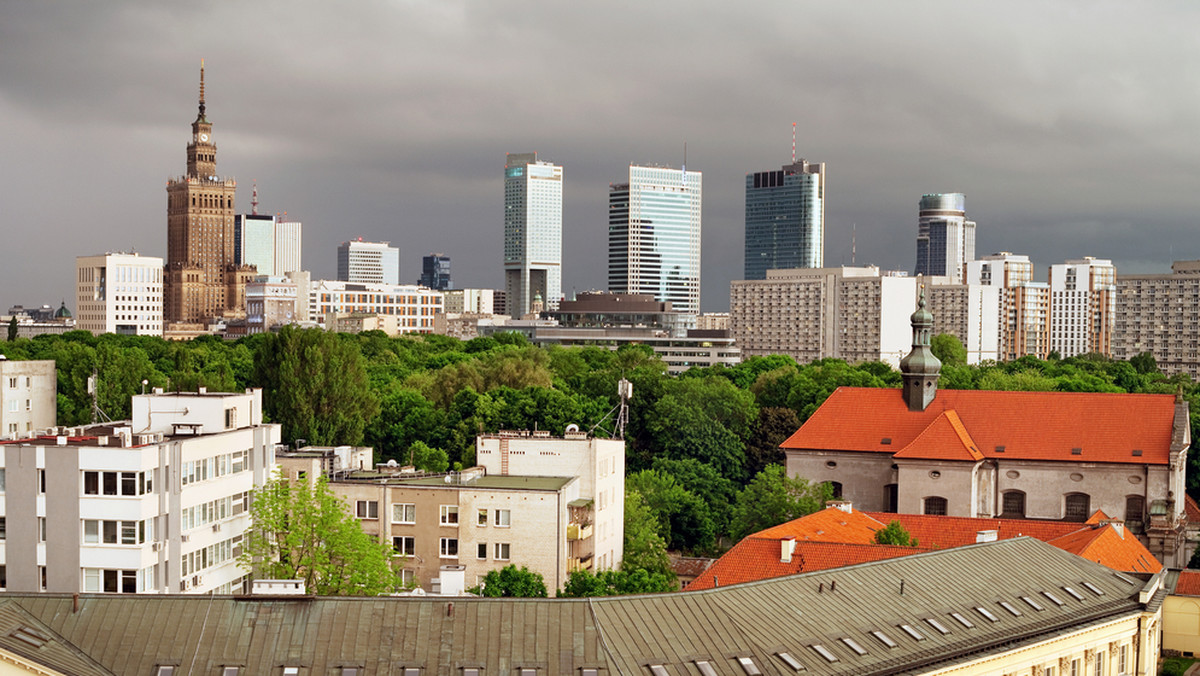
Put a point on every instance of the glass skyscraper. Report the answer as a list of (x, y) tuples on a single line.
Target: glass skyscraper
[(435, 271), (532, 232), (654, 236), (785, 219), (945, 238)]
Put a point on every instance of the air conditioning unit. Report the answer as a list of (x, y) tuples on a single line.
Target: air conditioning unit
[(184, 538), (156, 546), (184, 585), (197, 580), (216, 528)]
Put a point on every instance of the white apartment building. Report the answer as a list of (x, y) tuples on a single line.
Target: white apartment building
[(119, 293), (28, 397), (970, 312), (155, 504), (414, 306), (1082, 306), (1024, 321), (1159, 314), (270, 301), (472, 301), (856, 314), (368, 262), (598, 540)]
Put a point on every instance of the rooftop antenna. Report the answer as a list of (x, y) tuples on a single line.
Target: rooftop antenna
[(254, 200), (201, 87), (853, 242), (793, 143), (684, 167)]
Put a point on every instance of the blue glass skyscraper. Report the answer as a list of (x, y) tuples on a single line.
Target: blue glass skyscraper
[(945, 238), (785, 219)]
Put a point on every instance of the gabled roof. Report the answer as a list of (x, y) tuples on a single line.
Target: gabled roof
[(832, 524), (1018, 425), (1104, 544), (944, 439), (1191, 509), (752, 560), (941, 532), (24, 635)]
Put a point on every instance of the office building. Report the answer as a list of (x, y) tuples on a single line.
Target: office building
[(1024, 321), (1083, 296), (785, 219), (362, 262), (533, 192), (945, 237), (435, 272), (413, 306), (156, 504), (33, 322), (654, 235), (271, 244), (1159, 314), (856, 314), (202, 280), (471, 301), (119, 293), (28, 397), (602, 309), (270, 302)]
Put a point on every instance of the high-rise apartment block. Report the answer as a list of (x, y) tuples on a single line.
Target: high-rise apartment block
[(472, 301), (533, 192), (435, 272), (856, 314), (785, 219), (945, 238), (119, 293), (654, 235), (969, 312), (28, 397), (1083, 296), (1024, 322), (202, 280), (155, 504), (1159, 313), (362, 262)]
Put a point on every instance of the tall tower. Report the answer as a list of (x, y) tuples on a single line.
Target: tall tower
[(945, 238), (920, 369), (532, 232), (202, 280), (785, 219), (654, 236)]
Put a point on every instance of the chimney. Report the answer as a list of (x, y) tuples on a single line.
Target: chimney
[(786, 547), (844, 505), (987, 535)]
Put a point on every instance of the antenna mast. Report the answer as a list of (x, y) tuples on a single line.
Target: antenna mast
[(853, 242), (254, 200), (793, 143)]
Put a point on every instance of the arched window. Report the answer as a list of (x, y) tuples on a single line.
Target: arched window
[(935, 506), (1078, 507), (1014, 505), (836, 486), (1135, 512)]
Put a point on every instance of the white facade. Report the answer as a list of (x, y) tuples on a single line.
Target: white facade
[(156, 504), (28, 397), (598, 463), (532, 232), (473, 301), (1082, 306), (971, 313), (414, 306), (1024, 320), (654, 235), (119, 293), (368, 263), (269, 243), (270, 301)]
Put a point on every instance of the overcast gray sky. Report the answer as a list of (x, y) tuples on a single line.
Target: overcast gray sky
[(1072, 127)]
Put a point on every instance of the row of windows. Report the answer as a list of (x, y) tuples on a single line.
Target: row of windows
[(215, 510), (117, 483), (406, 513), (219, 465)]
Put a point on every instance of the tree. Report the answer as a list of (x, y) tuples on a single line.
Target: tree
[(429, 459), (894, 534), (683, 519), (582, 583), (773, 498), (645, 548), (510, 581), (1143, 362), (315, 385), (303, 531), (12, 329), (949, 349)]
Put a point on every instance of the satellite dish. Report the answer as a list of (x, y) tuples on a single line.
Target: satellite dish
[(391, 463), (572, 428)]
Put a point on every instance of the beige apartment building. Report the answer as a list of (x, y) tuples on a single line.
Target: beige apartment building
[(1024, 305), (970, 312), (1082, 306), (1159, 314), (28, 397)]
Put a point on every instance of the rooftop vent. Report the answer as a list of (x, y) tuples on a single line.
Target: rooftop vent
[(1137, 452), (987, 535), (786, 547), (886, 441), (1000, 449), (1076, 451)]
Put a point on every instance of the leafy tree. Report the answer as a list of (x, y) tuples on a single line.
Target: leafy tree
[(1144, 362), (645, 548), (775, 425), (683, 519), (510, 581), (949, 349), (773, 498), (12, 329), (894, 534), (315, 385), (429, 459), (582, 583), (303, 531)]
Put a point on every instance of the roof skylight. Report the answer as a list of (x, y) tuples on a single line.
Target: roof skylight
[(1074, 594), (937, 625), (705, 668), (986, 613), (1010, 608), (748, 666), (916, 635), (791, 661), (884, 639), (853, 645), (824, 652), (1032, 604), (1053, 599), (1094, 589), (658, 670), (963, 620)]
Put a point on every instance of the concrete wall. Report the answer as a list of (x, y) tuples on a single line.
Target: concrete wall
[(863, 475), (28, 397)]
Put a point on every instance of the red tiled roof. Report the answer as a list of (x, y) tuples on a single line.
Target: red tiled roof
[(1029, 425), (690, 566), (1189, 583), (1105, 545), (828, 525), (1191, 509), (944, 439), (759, 559), (941, 532)]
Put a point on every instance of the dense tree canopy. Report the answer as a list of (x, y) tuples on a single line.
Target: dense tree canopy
[(511, 581)]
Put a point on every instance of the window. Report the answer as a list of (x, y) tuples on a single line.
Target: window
[(448, 515), (230, 418), (3, 578), (937, 625), (291, 671), (1077, 507), (404, 513), (935, 506), (963, 620), (366, 509), (1123, 660), (404, 545), (502, 551), (481, 551), (481, 518), (853, 645), (42, 577), (41, 479), (230, 671), (1032, 604), (471, 671), (1135, 509), (1014, 504), (449, 548), (1075, 668), (916, 635), (749, 666), (1099, 663), (824, 652), (41, 529), (3, 480), (791, 661), (884, 639), (502, 518), (3, 529), (165, 670)]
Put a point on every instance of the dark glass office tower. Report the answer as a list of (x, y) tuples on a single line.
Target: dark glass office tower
[(785, 219)]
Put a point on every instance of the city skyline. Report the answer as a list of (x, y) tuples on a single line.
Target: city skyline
[(403, 128)]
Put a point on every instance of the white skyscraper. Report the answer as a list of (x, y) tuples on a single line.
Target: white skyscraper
[(1083, 296), (945, 237), (654, 235), (532, 232), (368, 263), (119, 293)]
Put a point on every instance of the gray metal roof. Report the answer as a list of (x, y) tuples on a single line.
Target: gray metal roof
[(617, 635)]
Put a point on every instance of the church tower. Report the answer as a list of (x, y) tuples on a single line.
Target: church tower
[(920, 369), (201, 278)]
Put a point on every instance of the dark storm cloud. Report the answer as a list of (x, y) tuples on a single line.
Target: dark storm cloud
[(1071, 127)]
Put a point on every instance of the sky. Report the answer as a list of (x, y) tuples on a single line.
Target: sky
[(1073, 128)]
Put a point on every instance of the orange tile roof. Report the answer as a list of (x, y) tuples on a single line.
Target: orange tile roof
[(944, 439), (941, 532), (758, 559), (1105, 545), (1029, 425), (1188, 583), (828, 525), (1191, 509)]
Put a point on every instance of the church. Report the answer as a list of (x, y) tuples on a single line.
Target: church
[(1026, 455)]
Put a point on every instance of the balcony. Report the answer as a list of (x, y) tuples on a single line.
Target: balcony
[(574, 564), (579, 531)]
